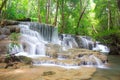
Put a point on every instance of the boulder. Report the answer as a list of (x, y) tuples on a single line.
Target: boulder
[(2, 37), (52, 53), (52, 50), (13, 28), (25, 59), (8, 22), (5, 31)]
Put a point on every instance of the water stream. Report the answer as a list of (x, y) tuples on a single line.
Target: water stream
[(112, 72)]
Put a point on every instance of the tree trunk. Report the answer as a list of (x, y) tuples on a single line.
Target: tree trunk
[(109, 16), (47, 11), (28, 11), (55, 20), (118, 2), (62, 26), (3, 4), (81, 15), (39, 17)]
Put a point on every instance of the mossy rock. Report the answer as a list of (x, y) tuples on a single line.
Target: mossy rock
[(25, 59)]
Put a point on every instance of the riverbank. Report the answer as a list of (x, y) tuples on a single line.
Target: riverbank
[(47, 73)]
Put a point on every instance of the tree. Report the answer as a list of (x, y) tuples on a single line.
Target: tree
[(39, 16), (118, 3), (55, 19), (3, 4), (81, 15), (62, 17), (109, 15), (47, 11)]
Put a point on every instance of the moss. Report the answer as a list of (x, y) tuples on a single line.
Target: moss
[(25, 59)]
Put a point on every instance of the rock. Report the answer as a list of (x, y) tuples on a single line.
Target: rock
[(25, 59), (5, 31), (13, 28), (103, 58), (8, 22), (13, 65), (3, 45), (2, 59), (54, 46), (2, 36), (48, 73), (51, 52)]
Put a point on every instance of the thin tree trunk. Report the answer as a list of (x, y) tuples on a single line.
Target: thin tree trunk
[(94, 29), (3, 4), (55, 20), (28, 11), (62, 26), (108, 20), (81, 15), (47, 11), (109, 16), (50, 11), (118, 3), (39, 16)]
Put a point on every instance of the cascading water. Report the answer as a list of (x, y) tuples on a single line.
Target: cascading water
[(67, 42), (31, 41), (35, 37), (102, 48)]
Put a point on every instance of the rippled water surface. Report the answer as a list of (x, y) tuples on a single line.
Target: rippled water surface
[(110, 73)]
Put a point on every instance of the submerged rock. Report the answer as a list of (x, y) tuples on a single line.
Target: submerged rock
[(48, 73)]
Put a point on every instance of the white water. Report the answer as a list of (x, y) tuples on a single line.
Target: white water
[(32, 43), (102, 48), (68, 42)]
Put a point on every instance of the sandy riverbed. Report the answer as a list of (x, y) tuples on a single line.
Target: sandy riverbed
[(37, 73)]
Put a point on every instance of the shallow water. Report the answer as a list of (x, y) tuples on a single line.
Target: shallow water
[(110, 73)]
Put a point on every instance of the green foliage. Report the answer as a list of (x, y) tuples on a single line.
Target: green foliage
[(14, 37), (108, 37), (95, 15)]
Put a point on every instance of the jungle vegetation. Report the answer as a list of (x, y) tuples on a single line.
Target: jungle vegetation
[(99, 19)]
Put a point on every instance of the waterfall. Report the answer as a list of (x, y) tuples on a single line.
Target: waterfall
[(33, 38), (97, 60), (71, 41), (31, 42), (42, 40), (102, 48), (47, 32), (68, 41)]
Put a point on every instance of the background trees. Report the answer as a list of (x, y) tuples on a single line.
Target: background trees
[(97, 18)]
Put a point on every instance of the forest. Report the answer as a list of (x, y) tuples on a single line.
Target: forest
[(99, 19), (59, 39)]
